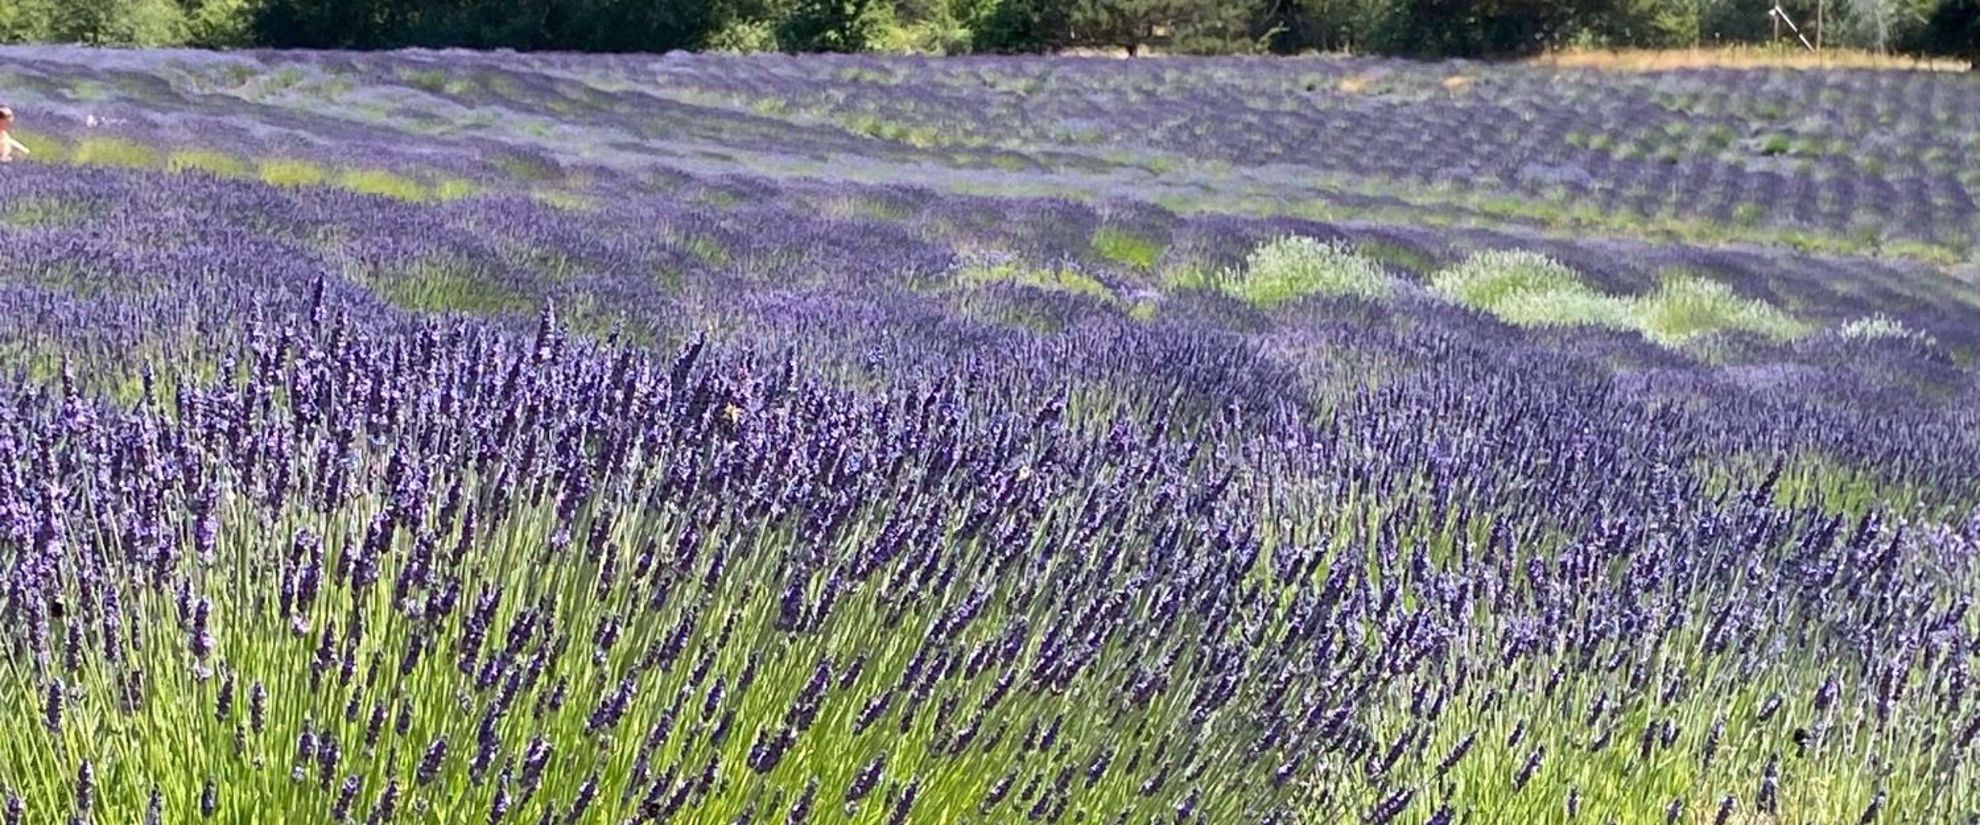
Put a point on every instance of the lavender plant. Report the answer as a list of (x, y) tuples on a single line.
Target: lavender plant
[(711, 496)]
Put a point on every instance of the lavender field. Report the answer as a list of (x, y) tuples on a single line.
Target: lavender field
[(464, 438)]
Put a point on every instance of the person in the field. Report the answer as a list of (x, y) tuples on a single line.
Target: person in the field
[(9, 147)]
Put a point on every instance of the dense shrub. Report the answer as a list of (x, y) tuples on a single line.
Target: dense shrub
[(1529, 289), (1954, 29), (1295, 266), (1427, 28), (1686, 308)]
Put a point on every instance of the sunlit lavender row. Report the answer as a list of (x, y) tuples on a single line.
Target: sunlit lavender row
[(459, 474), (1834, 161)]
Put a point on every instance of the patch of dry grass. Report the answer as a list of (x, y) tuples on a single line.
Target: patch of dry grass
[(1738, 57)]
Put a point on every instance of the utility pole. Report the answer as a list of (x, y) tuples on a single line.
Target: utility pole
[(1780, 16), (1821, 17)]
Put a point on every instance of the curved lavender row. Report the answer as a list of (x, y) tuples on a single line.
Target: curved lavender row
[(1580, 136), (459, 575), (1876, 158), (799, 235), (109, 269)]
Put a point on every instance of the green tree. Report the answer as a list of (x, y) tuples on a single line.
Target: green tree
[(99, 22), (626, 25), (575, 25), (832, 26), (1230, 27), (1953, 30), (930, 26), (1196, 25), (1485, 28), (743, 25), (1331, 25), (26, 21), (325, 24), (1015, 26), (218, 24)]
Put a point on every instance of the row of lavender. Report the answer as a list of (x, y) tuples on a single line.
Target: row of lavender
[(1859, 159), (103, 264), (448, 574), (1883, 153), (787, 514), (1122, 570)]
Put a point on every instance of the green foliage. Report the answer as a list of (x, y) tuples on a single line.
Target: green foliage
[(23, 21), (439, 286), (1832, 484), (1124, 247), (1053, 278), (1954, 29), (1332, 25), (1687, 307), (292, 173), (220, 24), (108, 151), (926, 27), (45, 149), (1533, 290), (316, 23), (1475, 28), (1187, 25), (1431, 28), (1446, 28), (1293, 267), (744, 36), (452, 189), (832, 26), (584, 25), (120, 22), (562, 200), (434, 81), (1654, 24), (213, 163), (110, 22), (382, 182), (1529, 289), (284, 172), (1013, 26)]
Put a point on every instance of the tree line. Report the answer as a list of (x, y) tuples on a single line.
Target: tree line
[(1419, 28)]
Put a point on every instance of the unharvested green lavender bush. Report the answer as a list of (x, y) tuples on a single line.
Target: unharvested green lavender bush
[(1688, 307), (284, 172), (1124, 247), (208, 161), (1056, 278), (1295, 266), (382, 182), (111, 151), (1530, 289)]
